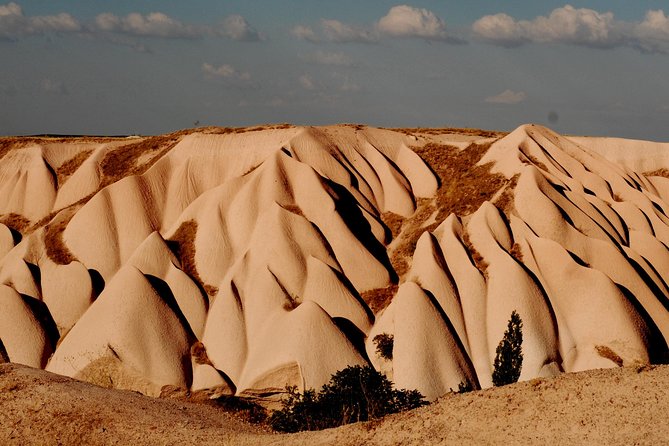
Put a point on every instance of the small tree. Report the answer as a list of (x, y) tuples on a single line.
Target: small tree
[(509, 353), (384, 345), (353, 394)]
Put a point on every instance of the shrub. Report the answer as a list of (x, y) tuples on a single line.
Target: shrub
[(509, 353), (464, 387), (353, 394), (384, 345)]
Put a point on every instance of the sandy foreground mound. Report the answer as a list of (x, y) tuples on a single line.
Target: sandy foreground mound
[(250, 259), (616, 406)]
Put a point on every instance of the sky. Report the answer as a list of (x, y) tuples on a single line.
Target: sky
[(149, 67)]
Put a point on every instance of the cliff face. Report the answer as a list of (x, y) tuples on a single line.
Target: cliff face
[(252, 259)]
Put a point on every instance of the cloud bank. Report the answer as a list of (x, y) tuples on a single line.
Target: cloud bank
[(225, 71), (155, 24), (15, 24), (577, 26), (402, 21)]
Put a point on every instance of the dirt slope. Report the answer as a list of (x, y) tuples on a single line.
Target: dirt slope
[(615, 406)]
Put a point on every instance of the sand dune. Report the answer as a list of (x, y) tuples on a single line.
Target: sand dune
[(258, 258)]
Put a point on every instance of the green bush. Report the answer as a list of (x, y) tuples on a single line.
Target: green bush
[(384, 345), (509, 353), (353, 394)]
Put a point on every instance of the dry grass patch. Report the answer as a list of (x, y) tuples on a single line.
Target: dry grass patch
[(412, 229), (463, 187), (606, 352), (233, 130), (354, 126), (124, 161), (477, 258), (17, 222), (56, 249), (70, 166), (534, 160), (505, 201), (8, 144), (516, 252), (394, 222), (199, 354), (182, 244), (451, 130), (379, 298), (663, 172)]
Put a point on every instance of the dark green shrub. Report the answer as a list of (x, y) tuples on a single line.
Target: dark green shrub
[(384, 345), (353, 394), (464, 387), (509, 353)]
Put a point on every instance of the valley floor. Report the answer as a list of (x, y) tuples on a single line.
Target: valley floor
[(614, 406)]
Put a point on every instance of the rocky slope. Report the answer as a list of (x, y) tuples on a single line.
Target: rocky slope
[(251, 259)]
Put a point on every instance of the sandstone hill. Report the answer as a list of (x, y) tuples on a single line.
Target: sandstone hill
[(250, 259)]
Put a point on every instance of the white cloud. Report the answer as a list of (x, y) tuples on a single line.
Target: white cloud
[(336, 31), (501, 29), (652, 34), (329, 58), (154, 24), (563, 25), (507, 97), (407, 21), (225, 71), (14, 23), (307, 82), (584, 27), (236, 27), (303, 32), (402, 21)]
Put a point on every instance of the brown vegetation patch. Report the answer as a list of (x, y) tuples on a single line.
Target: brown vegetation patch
[(379, 298), (394, 222), (16, 222), (232, 130), (123, 161), (663, 172), (605, 352), (70, 166), (56, 249), (412, 229), (463, 187), (516, 252), (182, 244), (8, 144), (355, 126), (451, 130), (534, 160), (477, 258), (505, 200), (199, 354)]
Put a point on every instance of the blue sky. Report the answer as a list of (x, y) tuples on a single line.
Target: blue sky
[(101, 67)]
